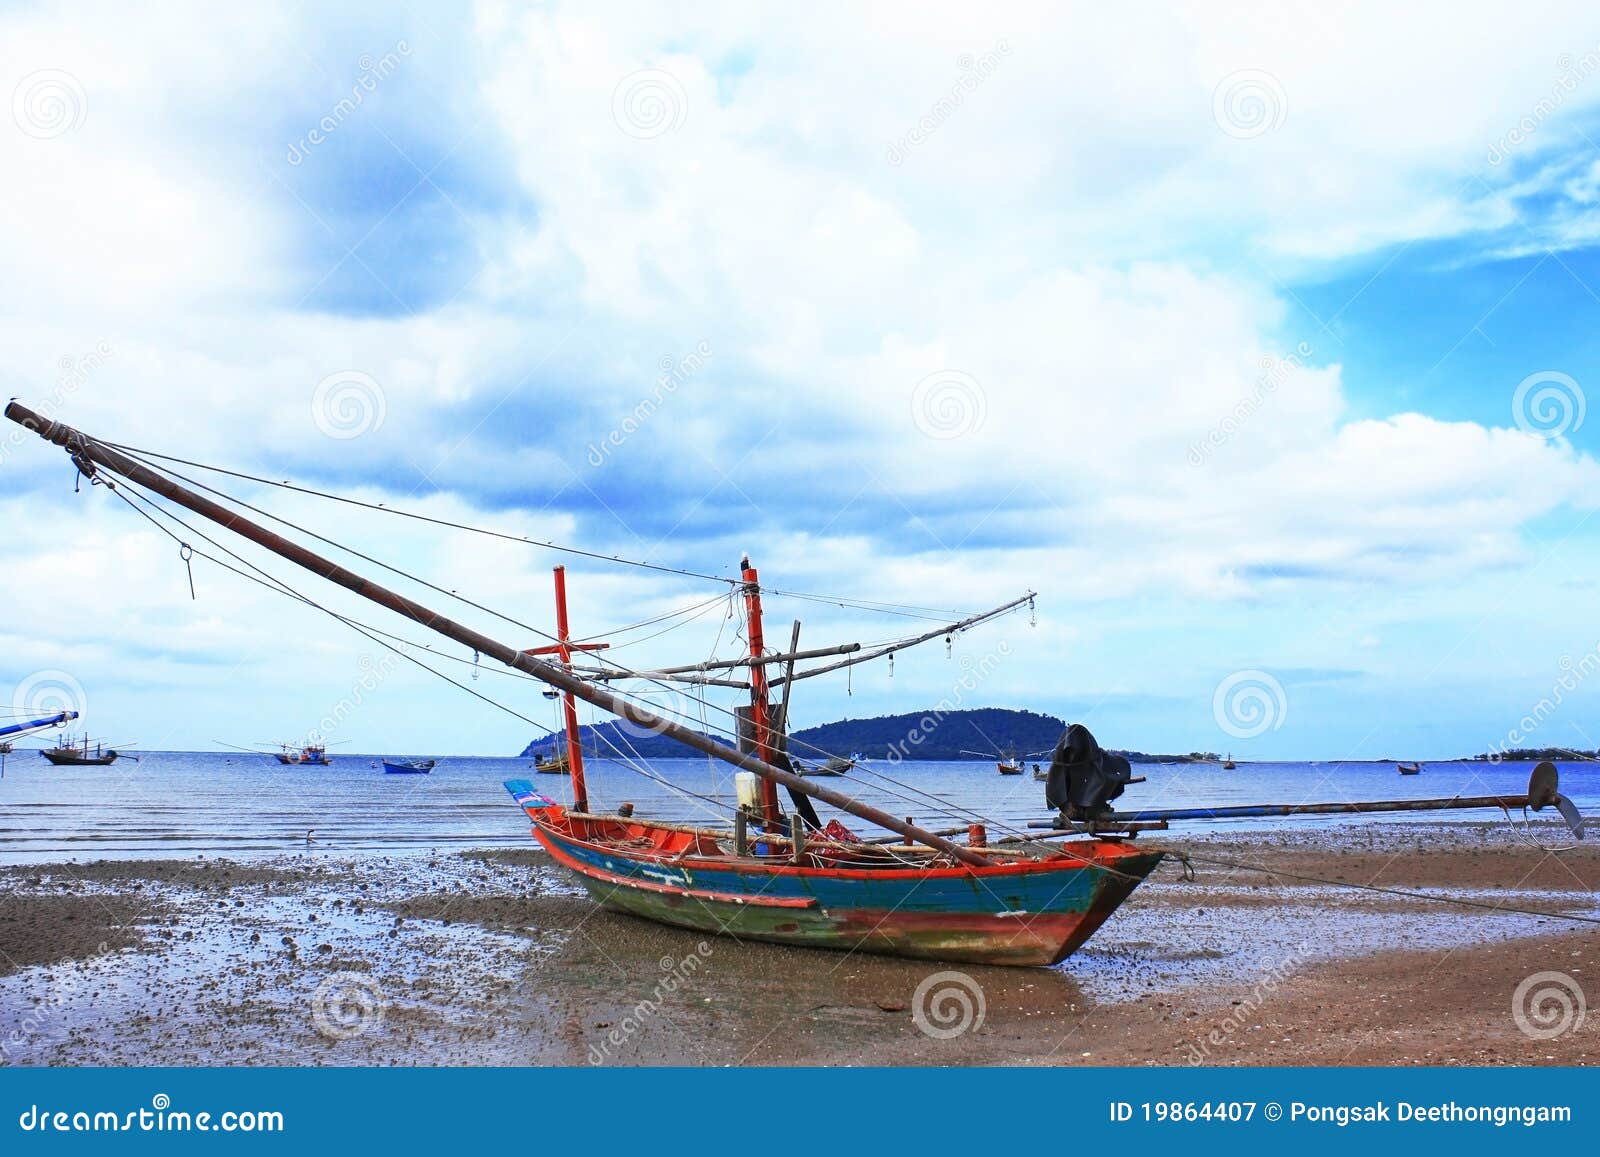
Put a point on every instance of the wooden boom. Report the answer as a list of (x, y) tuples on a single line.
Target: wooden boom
[(88, 453)]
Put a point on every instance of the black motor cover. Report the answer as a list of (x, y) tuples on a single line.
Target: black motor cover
[(1084, 779)]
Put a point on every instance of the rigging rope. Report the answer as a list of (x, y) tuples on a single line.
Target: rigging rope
[(905, 609), (1186, 856), (942, 808), (272, 583)]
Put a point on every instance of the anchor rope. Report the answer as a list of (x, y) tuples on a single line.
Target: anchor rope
[(1184, 856)]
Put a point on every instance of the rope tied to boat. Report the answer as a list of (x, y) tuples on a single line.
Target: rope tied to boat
[(1238, 865), (186, 553), (1186, 866)]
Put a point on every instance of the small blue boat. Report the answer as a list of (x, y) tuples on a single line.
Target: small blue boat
[(408, 766)]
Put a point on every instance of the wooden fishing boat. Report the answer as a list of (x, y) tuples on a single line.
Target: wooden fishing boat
[(1007, 763), (1228, 764), (1014, 909), (832, 769), (408, 766), (553, 764), (1409, 768), (309, 755), (781, 875), (68, 754)]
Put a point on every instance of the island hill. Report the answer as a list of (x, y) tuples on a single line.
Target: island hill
[(932, 735)]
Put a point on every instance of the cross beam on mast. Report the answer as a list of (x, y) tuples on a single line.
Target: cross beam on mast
[(948, 629), (88, 453), (749, 661)]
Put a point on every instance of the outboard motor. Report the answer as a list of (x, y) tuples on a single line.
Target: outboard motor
[(1083, 778)]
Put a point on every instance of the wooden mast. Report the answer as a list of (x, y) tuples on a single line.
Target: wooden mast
[(563, 650), (771, 810), (580, 796), (88, 453)]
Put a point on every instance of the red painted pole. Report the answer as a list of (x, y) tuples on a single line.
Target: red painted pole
[(580, 794), (770, 809)]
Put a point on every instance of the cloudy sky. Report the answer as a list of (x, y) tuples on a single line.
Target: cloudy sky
[(1254, 339)]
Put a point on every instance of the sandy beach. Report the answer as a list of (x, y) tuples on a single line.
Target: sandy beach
[(497, 958)]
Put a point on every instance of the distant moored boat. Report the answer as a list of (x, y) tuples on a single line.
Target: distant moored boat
[(67, 754), (408, 766), (834, 767), (312, 754), (554, 764)]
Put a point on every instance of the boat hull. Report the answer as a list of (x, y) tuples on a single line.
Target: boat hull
[(1014, 913), (70, 759), (423, 768)]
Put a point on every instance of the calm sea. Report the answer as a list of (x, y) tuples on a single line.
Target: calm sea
[(179, 804)]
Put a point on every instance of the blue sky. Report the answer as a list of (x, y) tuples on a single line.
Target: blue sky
[(1258, 344)]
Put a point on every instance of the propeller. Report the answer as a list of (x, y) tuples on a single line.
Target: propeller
[(1543, 791)]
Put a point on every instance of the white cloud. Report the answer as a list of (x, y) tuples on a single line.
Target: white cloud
[(1079, 238)]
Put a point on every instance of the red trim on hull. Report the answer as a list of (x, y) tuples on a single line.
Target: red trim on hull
[(605, 877), (1092, 853)]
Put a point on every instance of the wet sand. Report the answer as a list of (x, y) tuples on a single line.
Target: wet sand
[(497, 958)]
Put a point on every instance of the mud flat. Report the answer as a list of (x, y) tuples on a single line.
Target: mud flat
[(497, 958)]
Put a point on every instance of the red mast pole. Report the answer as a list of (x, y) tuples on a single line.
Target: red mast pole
[(770, 809), (580, 795)]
